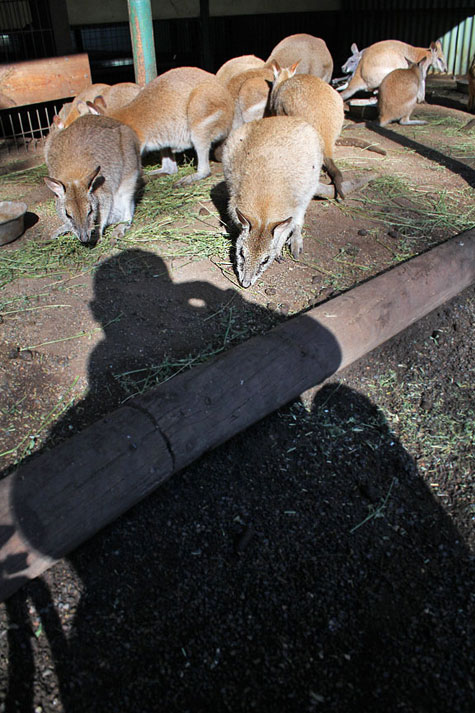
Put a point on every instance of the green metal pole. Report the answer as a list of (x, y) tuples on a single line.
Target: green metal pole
[(141, 32)]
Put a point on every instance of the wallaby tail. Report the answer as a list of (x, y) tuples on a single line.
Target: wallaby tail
[(360, 143)]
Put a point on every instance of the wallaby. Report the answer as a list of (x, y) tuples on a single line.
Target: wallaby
[(312, 53), (471, 86), (94, 171), (381, 58), (272, 170), (183, 108), (353, 61), (250, 93), (348, 68), (114, 96), (399, 92), (237, 65), (312, 99), (69, 111)]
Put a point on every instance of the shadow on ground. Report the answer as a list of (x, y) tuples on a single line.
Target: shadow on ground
[(302, 566)]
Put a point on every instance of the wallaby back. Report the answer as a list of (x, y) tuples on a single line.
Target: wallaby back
[(237, 65), (272, 170), (311, 52), (94, 168), (399, 92), (383, 57), (312, 99), (181, 109)]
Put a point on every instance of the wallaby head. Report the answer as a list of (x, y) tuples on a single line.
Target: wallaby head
[(258, 244), (78, 205), (438, 60), (352, 62), (281, 74)]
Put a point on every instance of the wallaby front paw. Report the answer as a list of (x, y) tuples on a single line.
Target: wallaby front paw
[(120, 230)]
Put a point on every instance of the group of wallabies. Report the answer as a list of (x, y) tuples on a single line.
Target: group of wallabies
[(275, 124)]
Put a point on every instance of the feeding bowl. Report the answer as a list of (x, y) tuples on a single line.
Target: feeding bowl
[(363, 108), (12, 220)]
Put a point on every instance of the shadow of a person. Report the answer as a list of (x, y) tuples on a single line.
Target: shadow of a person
[(304, 563)]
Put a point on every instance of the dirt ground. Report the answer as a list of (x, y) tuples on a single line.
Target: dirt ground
[(320, 561)]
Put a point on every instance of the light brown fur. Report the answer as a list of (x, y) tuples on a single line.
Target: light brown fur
[(250, 92), (181, 109), (238, 65), (312, 99), (94, 171), (272, 170), (311, 52), (399, 93), (381, 58)]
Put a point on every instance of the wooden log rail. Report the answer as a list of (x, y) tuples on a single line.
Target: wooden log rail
[(59, 499)]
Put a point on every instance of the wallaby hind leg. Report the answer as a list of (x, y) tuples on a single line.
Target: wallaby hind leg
[(356, 84), (168, 163), (405, 121), (336, 176)]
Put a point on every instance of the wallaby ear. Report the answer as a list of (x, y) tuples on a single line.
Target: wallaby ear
[(280, 228), (293, 68), (410, 63), (59, 123), (354, 48), (100, 102), (56, 186), (245, 222), (82, 107), (91, 182), (276, 68), (98, 106)]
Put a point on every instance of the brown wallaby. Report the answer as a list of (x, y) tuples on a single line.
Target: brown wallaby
[(181, 109), (471, 86), (311, 52), (399, 92), (272, 170), (114, 96), (312, 99), (237, 65), (250, 93), (69, 111), (94, 172), (381, 58)]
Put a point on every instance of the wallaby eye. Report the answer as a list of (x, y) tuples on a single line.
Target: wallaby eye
[(265, 261), (241, 253), (69, 217), (89, 212)]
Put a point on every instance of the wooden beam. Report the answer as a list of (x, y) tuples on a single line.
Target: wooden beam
[(41, 80), (62, 497)]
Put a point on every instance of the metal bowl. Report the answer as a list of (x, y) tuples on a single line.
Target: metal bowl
[(12, 220)]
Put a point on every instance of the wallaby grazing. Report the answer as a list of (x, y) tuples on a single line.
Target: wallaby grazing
[(471, 86), (312, 99), (399, 92), (94, 170), (69, 111), (181, 109), (250, 93), (272, 170), (115, 96), (237, 65), (381, 58), (312, 53)]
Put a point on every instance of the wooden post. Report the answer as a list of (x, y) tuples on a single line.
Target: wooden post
[(59, 499)]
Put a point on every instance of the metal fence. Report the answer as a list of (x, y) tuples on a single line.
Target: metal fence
[(25, 30)]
